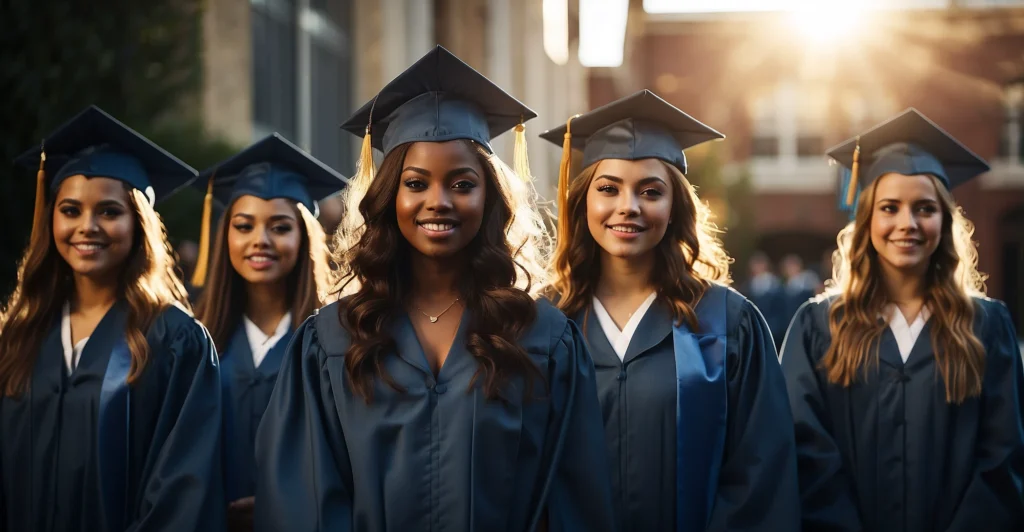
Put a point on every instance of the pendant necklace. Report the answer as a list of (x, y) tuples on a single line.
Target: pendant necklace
[(433, 319)]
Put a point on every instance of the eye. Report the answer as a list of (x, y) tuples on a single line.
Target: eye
[(415, 184), (282, 229), (70, 212), (111, 212), (464, 185), (242, 227), (928, 209), (888, 208), (607, 189), (652, 193)]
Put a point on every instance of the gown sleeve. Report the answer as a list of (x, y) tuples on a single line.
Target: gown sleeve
[(825, 490), (580, 496), (994, 497), (300, 447), (182, 487), (757, 487)]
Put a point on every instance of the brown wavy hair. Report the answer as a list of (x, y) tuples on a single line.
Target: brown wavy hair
[(687, 260), (378, 262), (860, 296), (150, 283), (222, 303)]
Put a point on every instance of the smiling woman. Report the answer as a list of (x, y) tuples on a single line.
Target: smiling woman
[(439, 394), (109, 408), (904, 380)]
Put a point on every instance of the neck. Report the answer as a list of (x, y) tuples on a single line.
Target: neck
[(93, 294), (903, 286), (266, 304), (435, 280), (625, 276)]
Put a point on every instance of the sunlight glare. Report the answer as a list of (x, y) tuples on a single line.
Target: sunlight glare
[(825, 21)]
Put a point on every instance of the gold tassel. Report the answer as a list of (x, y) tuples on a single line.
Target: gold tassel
[(851, 191), (203, 261), (39, 212), (520, 159), (563, 182)]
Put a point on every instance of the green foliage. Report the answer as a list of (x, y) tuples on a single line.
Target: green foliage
[(139, 61)]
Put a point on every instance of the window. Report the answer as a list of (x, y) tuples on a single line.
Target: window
[(1011, 147), (764, 142), (301, 64)]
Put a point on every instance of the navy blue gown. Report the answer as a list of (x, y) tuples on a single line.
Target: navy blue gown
[(246, 391), (889, 453), (738, 468), (72, 459), (439, 456)]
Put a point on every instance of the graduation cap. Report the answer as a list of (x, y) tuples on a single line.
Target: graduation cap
[(95, 144), (907, 144), (639, 126), (437, 99), (271, 168)]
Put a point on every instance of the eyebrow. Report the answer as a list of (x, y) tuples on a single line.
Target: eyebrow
[(451, 173), (104, 203), (644, 181), (895, 200), (273, 218)]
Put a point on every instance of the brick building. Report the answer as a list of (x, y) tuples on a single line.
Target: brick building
[(782, 98)]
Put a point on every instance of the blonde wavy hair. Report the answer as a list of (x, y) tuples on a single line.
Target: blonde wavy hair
[(527, 235), (859, 296), (689, 258), (149, 282)]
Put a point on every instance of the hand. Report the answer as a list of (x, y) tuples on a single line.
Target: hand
[(240, 515)]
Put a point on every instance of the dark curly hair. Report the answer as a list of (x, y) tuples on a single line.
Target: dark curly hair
[(378, 263)]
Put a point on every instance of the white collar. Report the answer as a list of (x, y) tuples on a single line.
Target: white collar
[(259, 343), (620, 339), (72, 353), (906, 333)]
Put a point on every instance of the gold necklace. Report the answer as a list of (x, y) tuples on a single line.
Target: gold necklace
[(433, 319)]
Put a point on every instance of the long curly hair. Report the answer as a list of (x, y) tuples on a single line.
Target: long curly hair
[(859, 297), (687, 260), (505, 258), (222, 303), (149, 282)]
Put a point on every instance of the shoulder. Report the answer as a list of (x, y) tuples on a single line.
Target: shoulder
[(548, 329), (987, 308), (739, 311), (324, 330), (178, 333)]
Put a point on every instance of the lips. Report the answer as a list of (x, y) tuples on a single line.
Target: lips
[(438, 226), (86, 249), (626, 230), (261, 261), (906, 243)]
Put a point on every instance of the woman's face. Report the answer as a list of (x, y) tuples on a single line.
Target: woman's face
[(264, 238), (94, 226), (906, 222), (629, 206), (441, 197)]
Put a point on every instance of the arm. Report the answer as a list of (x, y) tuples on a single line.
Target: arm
[(757, 488), (580, 496), (825, 491), (300, 448), (994, 500), (182, 486)]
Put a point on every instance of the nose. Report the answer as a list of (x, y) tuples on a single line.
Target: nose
[(262, 239), (906, 220), (90, 224), (629, 204), (439, 199)]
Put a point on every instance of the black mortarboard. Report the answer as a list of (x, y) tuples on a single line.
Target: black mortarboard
[(271, 168), (640, 126), (437, 99), (95, 144), (908, 144)]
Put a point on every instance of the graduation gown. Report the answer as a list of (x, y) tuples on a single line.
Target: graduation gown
[(739, 465), (85, 452), (889, 453), (246, 391), (439, 456)]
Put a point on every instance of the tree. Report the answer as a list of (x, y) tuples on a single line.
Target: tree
[(139, 61)]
